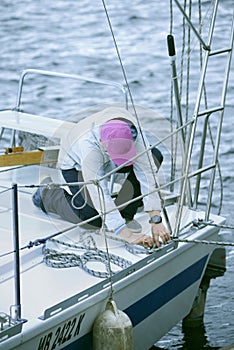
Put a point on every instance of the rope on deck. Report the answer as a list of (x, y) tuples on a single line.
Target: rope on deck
[(91, 253)]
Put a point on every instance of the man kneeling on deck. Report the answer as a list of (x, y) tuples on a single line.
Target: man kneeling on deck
[(90, 151)]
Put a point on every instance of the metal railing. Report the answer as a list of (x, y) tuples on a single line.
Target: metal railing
[(197, 114), (118, 86)]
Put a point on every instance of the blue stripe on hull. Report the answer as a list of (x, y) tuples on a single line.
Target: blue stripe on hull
[(146, 306)]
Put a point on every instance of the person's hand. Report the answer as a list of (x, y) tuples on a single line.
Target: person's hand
[(134, 238), (159, 232)]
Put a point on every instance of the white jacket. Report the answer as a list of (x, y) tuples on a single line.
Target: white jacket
[(81, 149)]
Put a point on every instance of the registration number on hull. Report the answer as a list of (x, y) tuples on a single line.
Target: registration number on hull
[(61, 334)]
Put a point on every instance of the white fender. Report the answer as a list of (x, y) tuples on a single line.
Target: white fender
[(112, 329)]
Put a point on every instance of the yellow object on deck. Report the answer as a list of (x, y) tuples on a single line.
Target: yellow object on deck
[(43, 155)]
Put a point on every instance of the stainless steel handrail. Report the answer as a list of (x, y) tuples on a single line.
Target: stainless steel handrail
[(193, 126), (25, 72), (219, 129)]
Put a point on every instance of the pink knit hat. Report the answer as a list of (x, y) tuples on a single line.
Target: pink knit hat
[(116, 137)]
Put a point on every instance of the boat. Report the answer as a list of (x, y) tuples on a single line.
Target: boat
[(56, 277)]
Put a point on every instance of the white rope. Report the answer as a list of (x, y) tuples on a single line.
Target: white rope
[(218, 243), (58, 259), (103, 232), (85, 197)]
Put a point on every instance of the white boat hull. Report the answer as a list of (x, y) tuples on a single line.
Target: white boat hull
[(155, 296)]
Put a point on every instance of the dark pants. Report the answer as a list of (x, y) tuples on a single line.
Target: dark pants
[(80, 208)]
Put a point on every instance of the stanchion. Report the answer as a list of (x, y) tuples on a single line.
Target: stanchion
[(15, 309)]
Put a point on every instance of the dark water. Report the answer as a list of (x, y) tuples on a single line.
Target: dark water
[(73, 37)]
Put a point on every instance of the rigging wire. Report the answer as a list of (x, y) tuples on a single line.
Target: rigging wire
[(202, 20), (133, 248), (6, 190), (136, 115), (172, 140), (206, 106)]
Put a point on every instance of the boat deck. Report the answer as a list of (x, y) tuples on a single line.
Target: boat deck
[(45, 285), (51, 296)]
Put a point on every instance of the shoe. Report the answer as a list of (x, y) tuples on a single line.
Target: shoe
[(37, 196), (134, 226)]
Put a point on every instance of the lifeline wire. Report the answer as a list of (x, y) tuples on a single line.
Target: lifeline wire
[(224, 244), (200, 223), (134, 249)]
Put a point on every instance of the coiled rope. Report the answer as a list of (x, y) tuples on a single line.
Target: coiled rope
[(57, 259)]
